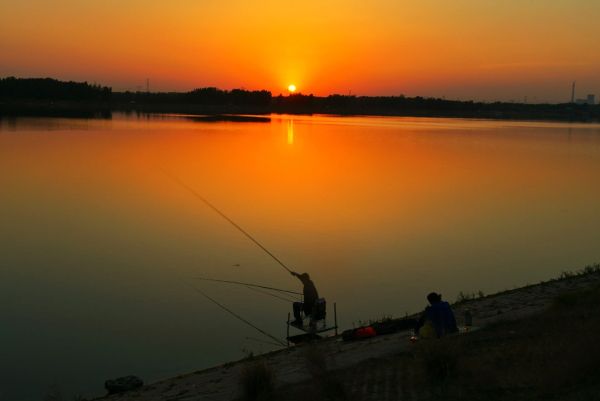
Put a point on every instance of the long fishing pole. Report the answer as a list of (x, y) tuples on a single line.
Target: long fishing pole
[(239, 317), (246, 284), (273, 295), (226, 218)]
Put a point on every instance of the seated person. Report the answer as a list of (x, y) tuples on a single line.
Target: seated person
[(439, 314), (310, 297)]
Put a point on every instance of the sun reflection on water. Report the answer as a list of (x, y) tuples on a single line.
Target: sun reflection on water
[(290, 130)]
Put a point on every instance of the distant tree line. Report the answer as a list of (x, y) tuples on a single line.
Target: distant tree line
[(420, 106), (235, 96), (52, 89), (211, 100), (200, 96), (295, 100), (433, 104)]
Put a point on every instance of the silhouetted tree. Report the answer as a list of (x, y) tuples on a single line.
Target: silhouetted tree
[(52, 89)]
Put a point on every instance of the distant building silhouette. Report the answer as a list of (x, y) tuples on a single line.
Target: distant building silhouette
[(590, 100)]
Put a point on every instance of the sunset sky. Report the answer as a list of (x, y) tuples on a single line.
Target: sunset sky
[(461, 49)]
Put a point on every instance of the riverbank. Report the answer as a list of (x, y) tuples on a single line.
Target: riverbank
[(380, 368)]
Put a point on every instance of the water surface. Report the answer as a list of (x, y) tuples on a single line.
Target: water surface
[(99, 241)]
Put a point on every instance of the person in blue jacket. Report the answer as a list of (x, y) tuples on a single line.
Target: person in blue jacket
[(439, 314)]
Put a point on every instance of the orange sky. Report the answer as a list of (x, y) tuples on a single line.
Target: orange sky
[(461, 49)]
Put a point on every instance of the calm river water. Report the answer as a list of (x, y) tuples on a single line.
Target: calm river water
[(99, 241)]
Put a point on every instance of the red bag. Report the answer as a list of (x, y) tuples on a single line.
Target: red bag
[(367, 332)]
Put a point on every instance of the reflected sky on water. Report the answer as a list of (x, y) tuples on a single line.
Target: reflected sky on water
[(99, 241)]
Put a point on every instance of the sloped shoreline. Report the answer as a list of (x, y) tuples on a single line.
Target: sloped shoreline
[(289, 365)]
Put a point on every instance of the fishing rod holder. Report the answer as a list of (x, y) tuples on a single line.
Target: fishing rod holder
[(312, 325)]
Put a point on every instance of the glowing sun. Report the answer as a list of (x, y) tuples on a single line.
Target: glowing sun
[(292, 88)]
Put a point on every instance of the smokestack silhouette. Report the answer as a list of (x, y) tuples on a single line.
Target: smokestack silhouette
[(573, 93)]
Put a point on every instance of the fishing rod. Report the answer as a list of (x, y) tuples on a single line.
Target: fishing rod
[(273, 295), (225, 217), (239, 317), (246, 284), (256, 339)]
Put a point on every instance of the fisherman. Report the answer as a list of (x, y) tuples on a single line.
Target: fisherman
[(310, 297), (439, 314)]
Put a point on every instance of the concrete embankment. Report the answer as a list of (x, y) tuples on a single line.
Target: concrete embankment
[(290, 366)]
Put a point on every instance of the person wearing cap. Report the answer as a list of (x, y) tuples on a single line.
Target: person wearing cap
[(439, 314), (310, 297)]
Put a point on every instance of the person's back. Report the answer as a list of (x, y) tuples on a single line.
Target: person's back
[(442, 318), (310, 297), (310, 294)]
